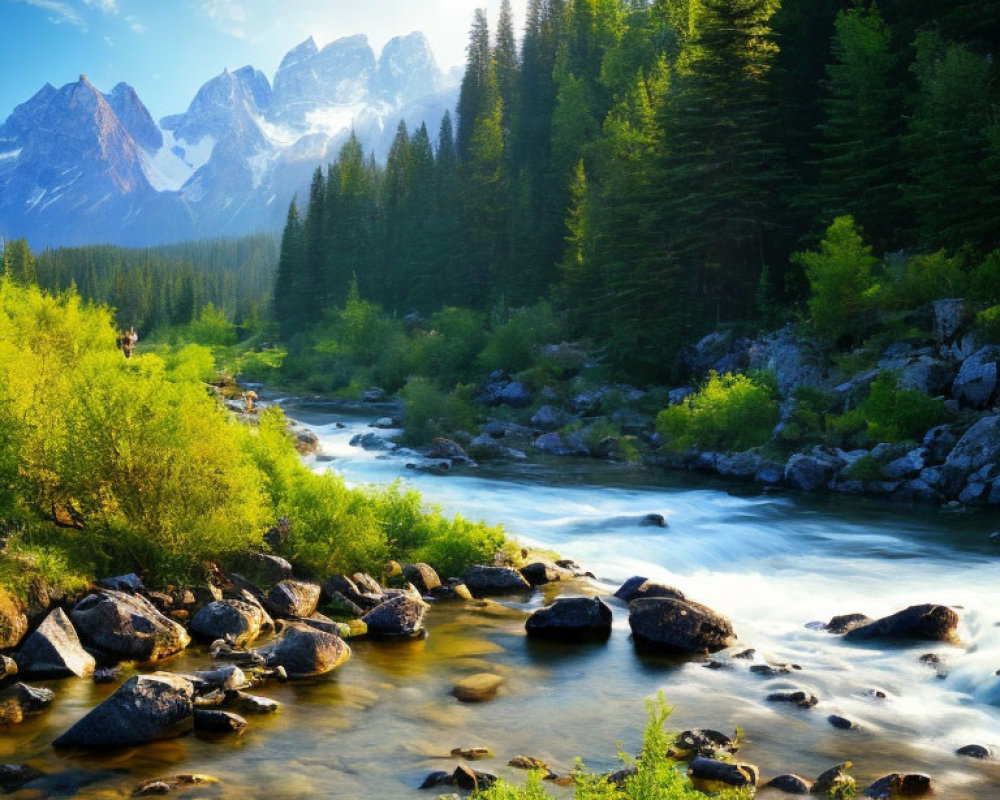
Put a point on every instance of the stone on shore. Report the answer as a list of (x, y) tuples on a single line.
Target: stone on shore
[(233, 620), (789, 784), (422, 576), (144, 708), (54, 650), (669, 625), (571, 619), (483, 581), (127, 627)]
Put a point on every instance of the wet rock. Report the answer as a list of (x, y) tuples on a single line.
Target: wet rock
[(448, 450), (627, 590), (464, 777), (539, 573), (653, 589), (142, 709), (799, 697), (555, 444), (304, 652), (246, 703), (127, 627), (232, 620), (20, 700), (16, 776), (899, 785), (976, 383), (550, 418), (483, 581), (845, 623), (841, 723), (370, 441), (228, 676), (974, 751), (453, 590), (106, 675), (384, 423), (669, 625), (811, 471), (264, 569), (294, 599), (835, 782), (618, 777), (13, 620), (702, 742), (399, 616), (472, 753), (925, 622), (710, 770), (478, 688), (53, 650), (171, 783), (422, 576), (306, 442), (527, 762), (8, 668), (436, 779), (790, 784), (747, 654), (774, 670), (571, 619), (935, 662), (653, 521), (213, 721), (340, 606), (485, 448)]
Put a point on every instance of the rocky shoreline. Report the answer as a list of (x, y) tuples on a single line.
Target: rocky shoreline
[(263, 625)]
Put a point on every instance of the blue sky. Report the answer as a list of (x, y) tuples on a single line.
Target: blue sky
[(167, 49)]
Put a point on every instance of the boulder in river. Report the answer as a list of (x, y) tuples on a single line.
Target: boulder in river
[(835, 782), (483, 581), (294, 599), (127, 627), (251, 704), (478, 688), (215, 721), (571, 619), (627, 590), (811, 471), (232, 620), (471, 780), (144, 708), (15, 776), (702, 742), (303, 651), (538, 573), (20, 700), (927, 622), (54, 650), (171, 783), (670, 625), (974, 751), (847, 622), (898, 785), (841, 723), (399, 616), (422, 576), (448, 450), (789, 784), (13, 620), (712, 771), (799, 697)]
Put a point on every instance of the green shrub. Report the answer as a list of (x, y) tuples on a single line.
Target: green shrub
[(988, 324), (984, 280), (430, 412), (513, 346), (841, 281), (927, 278), (211, 327), (866, 469), (895, 415), (729, 412)]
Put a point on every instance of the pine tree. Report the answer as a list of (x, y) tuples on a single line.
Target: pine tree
[(478, 84), (291, 265), (18, 261), (310, 286)]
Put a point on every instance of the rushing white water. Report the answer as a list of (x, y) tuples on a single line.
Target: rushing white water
[(772, 564)]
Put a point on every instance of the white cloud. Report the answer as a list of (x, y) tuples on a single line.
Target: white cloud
[(107, 6), (135, 25), (230, 16), (59, 12)]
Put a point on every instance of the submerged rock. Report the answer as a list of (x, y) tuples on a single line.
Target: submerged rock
[(841, 723), (15, 776), (799, 697), (974, 751), (304, 652), (571, 619), (213, 721), (54, 650), (232, 620), (847, 622), (925, 622), (20, 701), (710, 770), (790, 784), (835, 782), (670, 625), (478, 688), (142, 709), (127, 627), (483, 581), (171, 783), (898, 785)]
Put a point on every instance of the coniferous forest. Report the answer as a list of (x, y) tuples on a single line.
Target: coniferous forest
[(650, 167)]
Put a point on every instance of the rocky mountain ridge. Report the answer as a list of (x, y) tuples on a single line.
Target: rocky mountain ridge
[(81, 167)]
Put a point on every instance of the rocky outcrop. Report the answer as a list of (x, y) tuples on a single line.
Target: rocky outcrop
[(550, 418), (294, 599), (928, 622), (571, 619), (304, 652), (233, 620), (975, 385), (399, 616), (979, 447), (483, 581), (501, 391), (54, 650), (127, 627), (555, 444), (145, 708), (811, 471), (670, 625)]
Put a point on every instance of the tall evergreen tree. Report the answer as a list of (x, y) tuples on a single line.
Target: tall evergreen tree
[(291, 265)]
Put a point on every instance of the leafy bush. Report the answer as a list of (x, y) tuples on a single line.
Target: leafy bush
[(927, 278), (895, 415), (866, 469), (431, 412), (984, 280), (211, 327), (841, 281), (513, 346), (988, 324), (729, 412)]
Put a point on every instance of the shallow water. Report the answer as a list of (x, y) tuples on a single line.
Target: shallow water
[(771, 563)]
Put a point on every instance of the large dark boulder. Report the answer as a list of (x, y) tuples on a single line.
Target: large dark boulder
[(303, 651), (550, 418), (927, 622), (233, 620), (710, 770), (811, 471), (145, 708), (789, 784), (670, 625), (448, 450), (294, 599), (648, 589), (571, 619), (976, 383), (978, 447), (399, 616), (127, 627), (483, 581), (538, 573), (264, 569), (899, 785), (54, 650)]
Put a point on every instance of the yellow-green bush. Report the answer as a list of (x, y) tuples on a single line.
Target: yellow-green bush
[(431, 412), (729, 412), (988, 324)]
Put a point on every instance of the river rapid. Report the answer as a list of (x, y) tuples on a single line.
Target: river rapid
[(772, 563)]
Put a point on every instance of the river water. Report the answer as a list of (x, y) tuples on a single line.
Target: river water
[(770, 562)]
